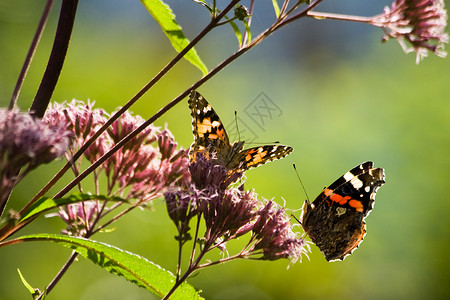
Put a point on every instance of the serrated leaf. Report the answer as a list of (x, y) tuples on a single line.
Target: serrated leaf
[(132, 267), (165, 17), (46, 203)]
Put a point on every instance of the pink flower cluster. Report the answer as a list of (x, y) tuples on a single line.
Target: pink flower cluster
[(418, 25), (142, 169), (26, 143), (229, 213)]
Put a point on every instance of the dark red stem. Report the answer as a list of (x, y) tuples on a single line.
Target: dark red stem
[(56, 60)]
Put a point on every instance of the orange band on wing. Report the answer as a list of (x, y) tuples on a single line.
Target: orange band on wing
[(356, 204), (204, 127)]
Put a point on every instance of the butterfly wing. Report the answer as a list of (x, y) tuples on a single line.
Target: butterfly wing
[(254, 157), (355, 189), (335, 219), (209, 132), (212, 140)]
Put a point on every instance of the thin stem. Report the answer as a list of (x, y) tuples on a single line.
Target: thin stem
[(7, 231), (180, 250), (224, 260), (197, 228), (60, 274), (301, 14), (188, 272), (249, 22), (115, 218), (284, 7), (323, 15), (156, 116), (56, 60), (151, 83), (30, 54)]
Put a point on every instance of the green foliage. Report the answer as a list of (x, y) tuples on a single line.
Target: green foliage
[(132, 267), (165, 17), (34, 292), (46, 203), (276, 8)]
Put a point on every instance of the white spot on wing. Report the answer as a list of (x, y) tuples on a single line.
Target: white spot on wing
[(357, 184), (348, 176)]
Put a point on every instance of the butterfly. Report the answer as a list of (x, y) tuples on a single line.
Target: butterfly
[(211, 141), (335, 219)]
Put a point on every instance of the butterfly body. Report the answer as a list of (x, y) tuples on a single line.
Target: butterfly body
[(211, 141), (335, 219)]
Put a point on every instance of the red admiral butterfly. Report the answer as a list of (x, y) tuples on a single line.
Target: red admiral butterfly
[(335, 219)]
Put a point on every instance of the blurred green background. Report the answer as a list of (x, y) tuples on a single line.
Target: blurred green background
[(343, 98)]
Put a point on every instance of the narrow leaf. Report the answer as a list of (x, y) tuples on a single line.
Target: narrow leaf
[(165, 17), (46, 203), (34, 292), (247, 29), (276, 8), (237, 32), (132, 267)]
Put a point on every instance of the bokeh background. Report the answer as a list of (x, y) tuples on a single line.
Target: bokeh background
[(343, 98)]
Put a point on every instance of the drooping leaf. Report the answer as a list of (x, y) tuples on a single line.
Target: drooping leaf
[(165, 17), (132, 267), (46, 203), (237, 32)]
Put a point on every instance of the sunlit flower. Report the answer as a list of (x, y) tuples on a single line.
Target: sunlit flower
[(83, 120), (418, 25), (26, 143), (226, 213), (79, 217), (147, 165), (207, 173), (182, 206), (274, 236)]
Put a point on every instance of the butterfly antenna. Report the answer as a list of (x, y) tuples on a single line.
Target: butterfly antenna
[(237, 126), (301, 182), (293, 216)]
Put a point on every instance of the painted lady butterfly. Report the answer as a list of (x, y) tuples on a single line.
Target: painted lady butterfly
[(211, 140)]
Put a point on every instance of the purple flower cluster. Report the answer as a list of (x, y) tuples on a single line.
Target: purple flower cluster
[(142, 169), (419, 23), (229, 213), (26, 143), (79, 217), (145, 166)]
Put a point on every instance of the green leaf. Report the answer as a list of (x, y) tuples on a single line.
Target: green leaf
[(34, 292), (132, 267), (276, 8), (46, 203), (237, 32), (247, 29), (165, 17)]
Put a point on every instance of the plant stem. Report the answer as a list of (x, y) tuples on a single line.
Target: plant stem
[(60, 274), (30, 54), (7, 231), (323, 15), (152, 82), (56, 60), (194, 244)]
